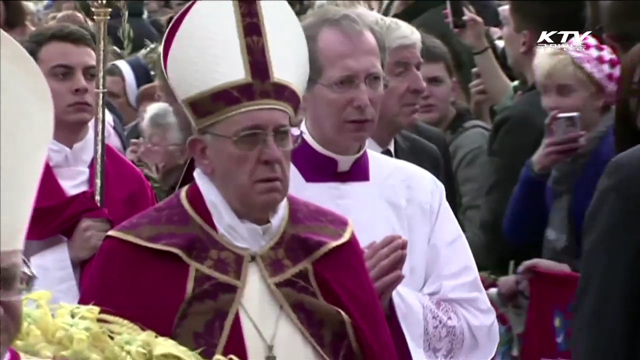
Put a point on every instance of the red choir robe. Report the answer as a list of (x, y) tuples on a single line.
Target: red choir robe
[(126, 193), (168, 270)]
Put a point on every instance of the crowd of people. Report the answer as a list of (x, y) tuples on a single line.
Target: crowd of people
[(411, 180)]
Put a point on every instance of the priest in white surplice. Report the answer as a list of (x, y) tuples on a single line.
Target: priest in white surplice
[(437, 295)]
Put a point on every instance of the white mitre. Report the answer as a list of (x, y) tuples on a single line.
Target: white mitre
[(26, 130), (224, 57)]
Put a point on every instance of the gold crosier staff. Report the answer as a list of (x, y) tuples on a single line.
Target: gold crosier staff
[(101, 13), (101, 17)]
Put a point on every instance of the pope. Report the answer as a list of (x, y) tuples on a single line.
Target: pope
[(231, 264)]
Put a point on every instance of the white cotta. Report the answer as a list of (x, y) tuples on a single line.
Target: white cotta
[(441, 304)]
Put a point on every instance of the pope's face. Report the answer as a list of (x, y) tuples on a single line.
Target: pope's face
[(252, 175), (10, 302)]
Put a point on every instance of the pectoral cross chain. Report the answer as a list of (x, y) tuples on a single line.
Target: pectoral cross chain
[(270, 355)]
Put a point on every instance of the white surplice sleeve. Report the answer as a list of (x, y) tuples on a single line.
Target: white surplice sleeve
[(55, 272), (443, 308)]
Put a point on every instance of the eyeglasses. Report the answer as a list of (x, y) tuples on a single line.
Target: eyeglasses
[(348, 84), (284, 138), (25, 285)]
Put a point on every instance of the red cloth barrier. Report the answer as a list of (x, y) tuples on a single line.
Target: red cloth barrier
[(547, 331)]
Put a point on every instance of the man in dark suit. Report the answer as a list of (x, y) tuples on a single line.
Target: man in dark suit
[(606, 313), (605, 323), (410, 147), (399, 106)]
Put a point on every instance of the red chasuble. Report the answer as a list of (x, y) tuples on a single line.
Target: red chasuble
[(127, 192), (169, 270)]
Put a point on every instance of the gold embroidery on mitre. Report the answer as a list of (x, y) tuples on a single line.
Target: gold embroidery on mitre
[(225, 100)]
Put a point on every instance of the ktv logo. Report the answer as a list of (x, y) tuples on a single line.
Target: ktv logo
[(545, 40)]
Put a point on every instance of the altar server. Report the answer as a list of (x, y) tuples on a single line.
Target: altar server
[(68, 226)]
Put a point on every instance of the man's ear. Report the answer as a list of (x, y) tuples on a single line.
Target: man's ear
[(529, 41), (197, 147)]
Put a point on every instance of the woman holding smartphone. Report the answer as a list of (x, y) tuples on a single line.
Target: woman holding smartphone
[(578, 84)]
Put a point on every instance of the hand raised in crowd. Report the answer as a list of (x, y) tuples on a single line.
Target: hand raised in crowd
[(87, 238), (140, 151), (480, 101), (510, 286), (474, 32), (134, 150), (385, 260), (556, 148)]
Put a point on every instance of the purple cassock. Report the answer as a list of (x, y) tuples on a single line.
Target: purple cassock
[(169, 270), (126, 193)]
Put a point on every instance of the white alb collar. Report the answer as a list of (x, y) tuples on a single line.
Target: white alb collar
[(344, 161), (373, 146), (80, 155)]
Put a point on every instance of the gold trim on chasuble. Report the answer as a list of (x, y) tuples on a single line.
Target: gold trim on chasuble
[(287, 268), (259, 89)]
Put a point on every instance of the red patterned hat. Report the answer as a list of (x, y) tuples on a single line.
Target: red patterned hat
[(225, 57), (598, 60)]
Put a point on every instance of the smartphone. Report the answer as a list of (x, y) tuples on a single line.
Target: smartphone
[(566, 123), (456, 12)]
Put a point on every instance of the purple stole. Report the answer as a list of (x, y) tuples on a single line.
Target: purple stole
[(208, 319)]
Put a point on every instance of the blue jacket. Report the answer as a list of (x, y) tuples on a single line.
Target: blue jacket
[(526, 218)]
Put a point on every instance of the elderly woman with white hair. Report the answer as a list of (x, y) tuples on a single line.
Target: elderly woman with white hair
[(161, 152)]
